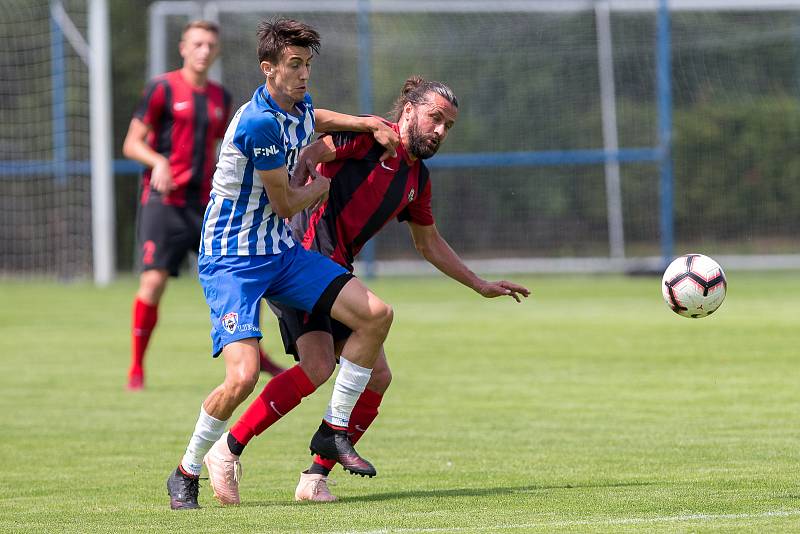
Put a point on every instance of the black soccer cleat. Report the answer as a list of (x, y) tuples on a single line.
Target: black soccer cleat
[(182, 490), (335, 445)]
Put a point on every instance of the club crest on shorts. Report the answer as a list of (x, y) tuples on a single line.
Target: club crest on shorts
[(229, 321)]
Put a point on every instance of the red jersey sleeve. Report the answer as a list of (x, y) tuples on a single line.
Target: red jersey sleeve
[(419, 210), (151, 105)]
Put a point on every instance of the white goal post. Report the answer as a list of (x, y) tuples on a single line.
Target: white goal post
[(103, 213), (95, 55)]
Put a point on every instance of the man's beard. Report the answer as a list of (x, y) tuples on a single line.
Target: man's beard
[(422, 146)]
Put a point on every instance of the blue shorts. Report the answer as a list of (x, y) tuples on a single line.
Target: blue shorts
[(235, 285)]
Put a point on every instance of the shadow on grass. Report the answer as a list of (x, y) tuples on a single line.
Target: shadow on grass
[(464, 492), (484, 492)]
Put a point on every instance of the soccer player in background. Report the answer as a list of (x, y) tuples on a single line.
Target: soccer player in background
[(247, 253), (365, 194), (174, 134)]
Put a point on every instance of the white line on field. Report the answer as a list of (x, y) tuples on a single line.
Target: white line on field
[(587, 522)]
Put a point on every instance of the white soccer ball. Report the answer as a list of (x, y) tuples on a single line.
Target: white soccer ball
[(694, 286)]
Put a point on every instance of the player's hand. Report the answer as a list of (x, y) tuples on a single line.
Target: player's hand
[(387, 137), (300, 174), (161, 177), (301, 170), (503, 288), (320, 181)]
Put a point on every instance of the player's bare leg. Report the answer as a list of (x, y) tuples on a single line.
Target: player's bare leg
[(370, 319), (241, 376), (152, 284)]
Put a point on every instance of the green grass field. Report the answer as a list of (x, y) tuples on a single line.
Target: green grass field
[(589, 408)]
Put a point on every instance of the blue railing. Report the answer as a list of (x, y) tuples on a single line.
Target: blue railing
[(16, 168)]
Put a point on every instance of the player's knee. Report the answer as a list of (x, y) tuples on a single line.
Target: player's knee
[(152, 284), (381, 318), (318, 370), (242, 383), (376, 322), (316, 356), (380, 380)]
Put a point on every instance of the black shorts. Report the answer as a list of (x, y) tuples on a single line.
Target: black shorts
[(165, 234), (294, 323)]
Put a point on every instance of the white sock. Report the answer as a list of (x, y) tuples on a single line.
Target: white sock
[(206, 432), (350, 384)]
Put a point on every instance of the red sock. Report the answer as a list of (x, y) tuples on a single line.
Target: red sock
[(145, 317), (281, 394), (364, 413)]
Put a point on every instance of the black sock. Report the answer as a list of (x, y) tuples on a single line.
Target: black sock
[(329, 428), (317, 469), (234, 446)]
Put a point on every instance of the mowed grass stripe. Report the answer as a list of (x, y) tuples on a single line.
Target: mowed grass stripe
[(589, 408)]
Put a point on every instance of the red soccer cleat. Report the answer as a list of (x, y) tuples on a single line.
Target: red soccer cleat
[(135, 380)]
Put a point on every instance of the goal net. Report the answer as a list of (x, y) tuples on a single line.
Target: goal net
[(524, 175), (528, 78), (45, 189)]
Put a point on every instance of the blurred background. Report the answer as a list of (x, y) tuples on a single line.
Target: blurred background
[(592, 135)]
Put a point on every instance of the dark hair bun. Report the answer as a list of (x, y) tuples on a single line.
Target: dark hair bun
[(412, 83)]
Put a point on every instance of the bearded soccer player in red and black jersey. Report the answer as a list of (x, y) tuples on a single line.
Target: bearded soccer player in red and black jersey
[(365, 194), (174, 132)]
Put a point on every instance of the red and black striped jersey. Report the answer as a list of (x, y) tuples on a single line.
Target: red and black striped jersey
[(365, 194), (186, 122)]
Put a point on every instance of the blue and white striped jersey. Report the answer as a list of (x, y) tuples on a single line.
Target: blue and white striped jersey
[(261, 136)]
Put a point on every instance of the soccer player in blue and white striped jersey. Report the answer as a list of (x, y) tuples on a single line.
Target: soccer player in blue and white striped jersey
[(247, 253)]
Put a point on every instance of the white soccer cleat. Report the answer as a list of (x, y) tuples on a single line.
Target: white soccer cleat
[(224, 471), (313, 488)]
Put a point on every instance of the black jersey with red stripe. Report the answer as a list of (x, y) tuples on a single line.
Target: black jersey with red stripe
[(365, 195), (186, 122)]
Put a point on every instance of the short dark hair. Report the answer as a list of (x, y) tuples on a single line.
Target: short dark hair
[(415, 90), (206, 25), (275, 34)]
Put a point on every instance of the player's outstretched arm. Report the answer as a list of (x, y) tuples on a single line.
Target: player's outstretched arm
[(136, 148), (287, 200), (331, 121), (432, 246)]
